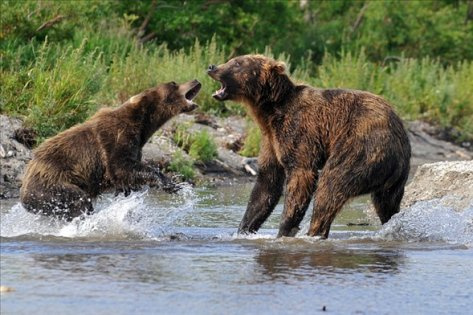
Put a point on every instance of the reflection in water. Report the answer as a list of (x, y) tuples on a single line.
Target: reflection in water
[(128, 267), (281, 263)]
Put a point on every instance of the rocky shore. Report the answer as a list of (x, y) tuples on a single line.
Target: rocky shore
[(228, 133), (451, 183)]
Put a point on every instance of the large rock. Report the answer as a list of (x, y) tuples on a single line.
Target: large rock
[(427, 149), (449, 182), (13, 157), (224, 131)]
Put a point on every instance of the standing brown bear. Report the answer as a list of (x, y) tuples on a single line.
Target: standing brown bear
[(353, 137), (69, 170)]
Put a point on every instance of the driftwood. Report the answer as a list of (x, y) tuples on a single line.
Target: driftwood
[(147, 37), (469, 12), (359, 18), (145, 23), (50, 23)]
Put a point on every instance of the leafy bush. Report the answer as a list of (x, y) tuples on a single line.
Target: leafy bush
[(418, 89), (54, 96), (251, 146), (183, 166), (200, 146), (203, 147)]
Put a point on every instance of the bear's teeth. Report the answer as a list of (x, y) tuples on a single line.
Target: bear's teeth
[(220, 91)]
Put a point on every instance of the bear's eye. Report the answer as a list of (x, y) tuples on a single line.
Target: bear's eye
[(237, 64), (173, 83)]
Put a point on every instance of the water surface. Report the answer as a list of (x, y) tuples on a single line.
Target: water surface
[(155, 253)]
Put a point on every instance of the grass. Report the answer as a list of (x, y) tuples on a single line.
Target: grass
[(200, 146), (252, 141), (183, 166), (53, 97), (182, 137), (203, 147), (418, 89)]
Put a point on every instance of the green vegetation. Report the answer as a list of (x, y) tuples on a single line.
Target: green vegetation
[(203, 147), (436, 28), (182, 136), (418, 88), (183, 166), (252, 141), (200, 146), (62, 60)]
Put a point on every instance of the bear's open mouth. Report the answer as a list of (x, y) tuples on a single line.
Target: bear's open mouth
[(192, 93), (189, 91), (220, 94)]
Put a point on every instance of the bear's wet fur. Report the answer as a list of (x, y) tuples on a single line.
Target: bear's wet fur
[(327, 144), (72, 168)]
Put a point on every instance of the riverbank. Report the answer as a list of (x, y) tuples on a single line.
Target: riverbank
[(227, 133)]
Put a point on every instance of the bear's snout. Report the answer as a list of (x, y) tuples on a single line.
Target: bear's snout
[(212, 68)]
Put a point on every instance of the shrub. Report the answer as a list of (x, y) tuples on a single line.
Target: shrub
[(203, 147), (182, 137), (183, 166), (252, 142), (54, 96)]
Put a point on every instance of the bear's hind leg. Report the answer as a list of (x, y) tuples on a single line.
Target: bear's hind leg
[(334, 189), (327, 204), (387, 201), (65, 202)]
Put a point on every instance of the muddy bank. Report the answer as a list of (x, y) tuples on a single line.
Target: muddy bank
[(228, 133)]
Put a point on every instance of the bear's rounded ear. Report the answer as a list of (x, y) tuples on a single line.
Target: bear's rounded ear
[(279, 67), (136, 99)]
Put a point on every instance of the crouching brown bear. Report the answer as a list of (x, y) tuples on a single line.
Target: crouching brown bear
[(69, 170), (353, 137)]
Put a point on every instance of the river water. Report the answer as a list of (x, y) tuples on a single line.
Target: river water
[(152, 253)]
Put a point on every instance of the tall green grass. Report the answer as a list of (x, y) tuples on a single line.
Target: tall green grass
[(418, 89), (63, 85), (252, 141), (55, 91)]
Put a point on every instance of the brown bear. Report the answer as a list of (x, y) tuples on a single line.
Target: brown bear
[(353, 138), (72, 168)]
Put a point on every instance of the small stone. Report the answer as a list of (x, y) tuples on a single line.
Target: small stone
[(5, 289), (10, 153)]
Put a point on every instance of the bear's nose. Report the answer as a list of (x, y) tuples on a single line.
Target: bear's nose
[(212, 68)]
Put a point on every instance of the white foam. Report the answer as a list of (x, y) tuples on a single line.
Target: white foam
[(114, 218), (142, 216), (430, 221)]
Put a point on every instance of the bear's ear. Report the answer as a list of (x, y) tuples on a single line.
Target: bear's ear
[(277, 80), (136, 98), (279, 67)]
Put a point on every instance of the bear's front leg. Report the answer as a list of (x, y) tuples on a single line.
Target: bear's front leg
[(141, 175), (301, 184), (157, 179)]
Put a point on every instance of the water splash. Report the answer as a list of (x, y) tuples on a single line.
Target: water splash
[(135, 216), (430, 221)]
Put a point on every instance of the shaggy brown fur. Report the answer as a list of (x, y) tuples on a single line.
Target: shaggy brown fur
[(353, 137), (75, 166)]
